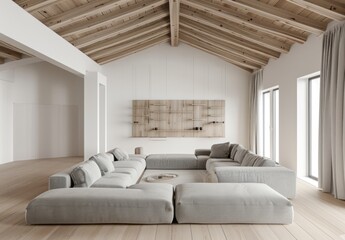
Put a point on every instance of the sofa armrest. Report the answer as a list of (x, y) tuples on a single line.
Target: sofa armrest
[(281, 179), (204, 152), (60, 180)]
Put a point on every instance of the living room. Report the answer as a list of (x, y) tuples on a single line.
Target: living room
[(59, 107)]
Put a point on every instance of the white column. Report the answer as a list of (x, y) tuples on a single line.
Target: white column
[(95, 114)]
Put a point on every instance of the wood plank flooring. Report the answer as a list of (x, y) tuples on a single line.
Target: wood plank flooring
[(317, 215)]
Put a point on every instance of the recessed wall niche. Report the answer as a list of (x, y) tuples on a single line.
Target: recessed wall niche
[(178, 118)]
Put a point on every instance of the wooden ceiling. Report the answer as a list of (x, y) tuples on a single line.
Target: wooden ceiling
[(9, 53), (246, 33)]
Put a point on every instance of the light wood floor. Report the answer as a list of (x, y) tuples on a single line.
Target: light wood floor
[(317, 215)]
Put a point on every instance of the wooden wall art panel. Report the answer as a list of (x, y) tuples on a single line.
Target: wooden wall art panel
[(178, 118)]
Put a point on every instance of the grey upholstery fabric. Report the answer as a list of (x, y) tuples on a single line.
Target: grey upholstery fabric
[(216, 162), (281, 179), (250, 159), (140, 204), (240, 153), (233, 149), (203, 152), (104, 162), (268, 163), (220, 150), (171, 161), (202, 160), (231, 203), (114, 180), (86, 174), (120, 154)]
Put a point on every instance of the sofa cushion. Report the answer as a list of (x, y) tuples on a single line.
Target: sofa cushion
[(240, 153), (233, 149), (104, 162), (220, 150), (268, 163), (86, 174), (113, 180), (119, 154), (250, 159)]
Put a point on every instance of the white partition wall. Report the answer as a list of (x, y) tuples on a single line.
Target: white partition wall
[(95, 114)]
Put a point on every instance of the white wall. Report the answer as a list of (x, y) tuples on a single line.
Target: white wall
[(47, 106), (300, 61), (164, 72)]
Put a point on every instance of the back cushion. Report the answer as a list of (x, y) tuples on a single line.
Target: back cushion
[(240, 153), (220, 150), (119, 154), (104, 162), (85, 174), (233, 149), (268, 163)]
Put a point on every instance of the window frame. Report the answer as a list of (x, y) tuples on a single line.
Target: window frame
[(273, 124), (308, 128)]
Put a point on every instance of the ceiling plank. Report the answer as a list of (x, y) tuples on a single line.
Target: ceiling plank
[(279, 14), (237, 31), (249, 21), (124, 37), (2, 60), (332, 10), (119, 29), (204, 49), (237, 51), (133, 50), (220, 53), (36, 5), (227, 38), (10, 54), (174, 9), (129, 44), (77, 13), (114, 16)]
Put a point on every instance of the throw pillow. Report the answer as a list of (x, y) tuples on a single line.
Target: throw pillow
[(240, 153), (120, 155), (268, 163), (249, 159), (233, 149), (220, 150), (104, 162), (85, 174)]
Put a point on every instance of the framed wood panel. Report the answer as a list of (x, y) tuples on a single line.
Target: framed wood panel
[(178, 118)]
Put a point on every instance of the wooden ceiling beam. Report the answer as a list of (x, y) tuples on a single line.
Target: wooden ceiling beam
[(205, 48), (119, 29), (120, 14), (129, 51), (124, 37), (329, 9), (220, 52), (174, 9), (77, 13), (240, 18), (129, 44), (230, 39), (2, 60), (238, 31), (228, 48), (279, 14), (36, 5), (10, 54)]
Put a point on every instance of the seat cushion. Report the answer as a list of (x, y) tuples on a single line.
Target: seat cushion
[(222, 164), (113, 180), (104, 162), (148, 204), (220, 150), (210, 161), (85, 174), (139, 166), (231, 203), (131, 172)]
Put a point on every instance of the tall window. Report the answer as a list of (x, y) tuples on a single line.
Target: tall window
[(313, 126), (271, 124)]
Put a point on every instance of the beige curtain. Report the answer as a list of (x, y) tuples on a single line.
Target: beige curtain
[(255, 113), (332, 113)]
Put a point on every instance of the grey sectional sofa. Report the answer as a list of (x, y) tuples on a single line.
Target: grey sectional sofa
[(104, 189)]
